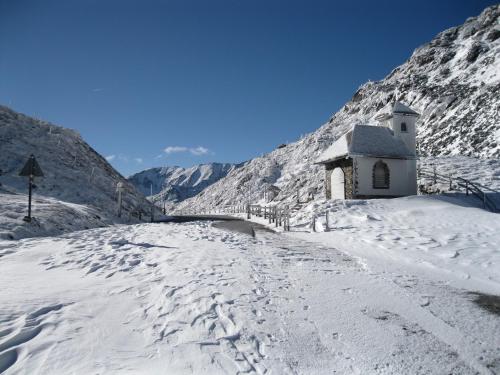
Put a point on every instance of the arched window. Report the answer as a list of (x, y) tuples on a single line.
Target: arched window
[(403, 127), (381, 176)]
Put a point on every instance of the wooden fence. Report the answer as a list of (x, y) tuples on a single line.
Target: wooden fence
[(274, 214), (457, 183), (278, 216)]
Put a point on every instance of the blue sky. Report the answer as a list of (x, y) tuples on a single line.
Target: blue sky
[(150, 83)]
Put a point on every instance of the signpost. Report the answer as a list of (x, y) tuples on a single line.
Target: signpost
[(31, 170)]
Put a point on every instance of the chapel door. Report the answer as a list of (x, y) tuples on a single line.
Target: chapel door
[(338, 184)]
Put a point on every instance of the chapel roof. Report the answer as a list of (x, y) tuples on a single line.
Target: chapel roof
[(367, 140)]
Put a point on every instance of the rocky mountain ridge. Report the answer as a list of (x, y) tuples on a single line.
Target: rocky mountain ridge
[(453, 82), (176, 184)]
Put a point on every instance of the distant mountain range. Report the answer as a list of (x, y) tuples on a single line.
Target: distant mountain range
[(176, 184), (453, 82)]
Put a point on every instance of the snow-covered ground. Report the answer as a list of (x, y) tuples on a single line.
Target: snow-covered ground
[(50, 217), (395, 288)]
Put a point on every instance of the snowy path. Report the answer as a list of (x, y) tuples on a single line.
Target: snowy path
[(192, 299)]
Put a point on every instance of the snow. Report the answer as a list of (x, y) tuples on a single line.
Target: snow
[(367, 140), (377, 141), (384, 286), (392, 288), (457, 100), (485, 172), (338, 149), (444, 232), (180, 182), (51, 217), (78, 189)]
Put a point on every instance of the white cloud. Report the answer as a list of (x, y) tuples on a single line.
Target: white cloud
[(200, 150), (97, 89), (110, 157), (138, 160), (173, 149)]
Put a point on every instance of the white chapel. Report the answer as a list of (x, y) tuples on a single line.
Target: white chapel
[(374, 161)]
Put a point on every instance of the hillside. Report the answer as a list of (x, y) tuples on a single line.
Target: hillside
[(453, 82), (74, 174), (176, 183)]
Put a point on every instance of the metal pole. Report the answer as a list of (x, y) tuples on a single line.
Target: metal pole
[(119, 203), (119, 189), (30, 189)]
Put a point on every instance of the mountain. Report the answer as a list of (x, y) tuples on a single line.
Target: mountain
[(76, 177), (453, 82), (177, 183)]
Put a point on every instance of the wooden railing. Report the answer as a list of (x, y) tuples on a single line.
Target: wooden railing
[(278, 216), (274, 214), (455, 183)]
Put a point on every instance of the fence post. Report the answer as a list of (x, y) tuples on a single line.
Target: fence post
[(434, 172), (450, 182), (249, 213), (314, 223), (466, 187), (484, 199), (276, 217), (327, 223)]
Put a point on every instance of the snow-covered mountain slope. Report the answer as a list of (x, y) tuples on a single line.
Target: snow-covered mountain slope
[(74, 172), (453, 81), (177, 183)]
